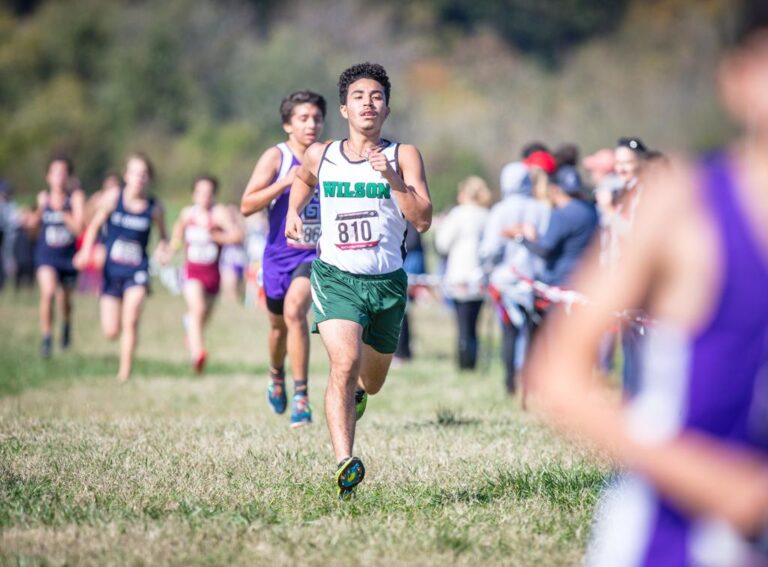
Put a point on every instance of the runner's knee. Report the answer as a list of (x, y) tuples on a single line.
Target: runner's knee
[(345, 367), (110, 333)]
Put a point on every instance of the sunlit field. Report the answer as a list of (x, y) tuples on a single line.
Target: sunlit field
[(172, 468)]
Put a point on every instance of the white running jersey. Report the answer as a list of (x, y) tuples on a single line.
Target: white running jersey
[(363, 228)]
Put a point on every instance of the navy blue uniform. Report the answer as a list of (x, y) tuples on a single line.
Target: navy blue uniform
[(55, 245), (127, 237)]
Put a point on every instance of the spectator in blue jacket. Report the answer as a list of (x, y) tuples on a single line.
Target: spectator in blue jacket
[(572, 225)]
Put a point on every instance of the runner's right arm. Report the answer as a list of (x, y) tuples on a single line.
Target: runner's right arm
[(107, 204), (302, 189), (261, 190), (177, 233), (36, 216)]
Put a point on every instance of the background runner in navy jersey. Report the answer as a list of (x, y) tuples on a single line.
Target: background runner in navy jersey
[(128, 214), (58, 220)]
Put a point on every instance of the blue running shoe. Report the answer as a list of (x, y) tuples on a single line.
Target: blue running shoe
[(361, 400), (276, 396), (301, 411), (349, 474), (46, 346)]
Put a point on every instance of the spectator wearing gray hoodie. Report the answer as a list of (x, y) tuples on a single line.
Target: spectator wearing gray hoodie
[(508, 260)]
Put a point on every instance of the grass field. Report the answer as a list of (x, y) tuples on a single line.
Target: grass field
[(176, 469)]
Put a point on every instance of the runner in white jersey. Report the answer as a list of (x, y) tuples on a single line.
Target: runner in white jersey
[(369, 187)]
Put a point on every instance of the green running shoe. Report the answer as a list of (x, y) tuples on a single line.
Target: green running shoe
[(350, 473), (361, 400)]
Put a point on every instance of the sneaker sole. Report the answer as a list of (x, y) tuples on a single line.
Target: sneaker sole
[(350, 475), (300, 424)]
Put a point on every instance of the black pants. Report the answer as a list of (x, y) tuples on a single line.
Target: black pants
[(403, 350), (510, 334), (467, 313)]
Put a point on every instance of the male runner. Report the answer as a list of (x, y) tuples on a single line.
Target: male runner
[(369, 187), (286, 265)]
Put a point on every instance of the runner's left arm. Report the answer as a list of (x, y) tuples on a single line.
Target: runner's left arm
[(226, 230), (409, 186), (162, 251)]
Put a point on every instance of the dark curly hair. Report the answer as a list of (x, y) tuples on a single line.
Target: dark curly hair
[(300, 97), (363, 71)]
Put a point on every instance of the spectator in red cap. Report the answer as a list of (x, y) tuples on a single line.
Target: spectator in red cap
[(543, 160), (541, 164)]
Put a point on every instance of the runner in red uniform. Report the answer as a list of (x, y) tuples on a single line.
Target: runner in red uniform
[(202, 229)]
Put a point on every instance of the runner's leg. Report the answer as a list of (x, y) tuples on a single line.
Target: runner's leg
[(47, 281), (111, 309), (194, 294), (343, 341), (133, 301), (297, 302), (278, 334), (373, 369)]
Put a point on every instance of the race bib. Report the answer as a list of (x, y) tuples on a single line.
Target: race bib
[(126, 252), (203, 253), (310, 234), (355, 231), (57, 236)]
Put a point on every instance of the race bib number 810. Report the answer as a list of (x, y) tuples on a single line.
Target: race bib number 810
[(355, 231)]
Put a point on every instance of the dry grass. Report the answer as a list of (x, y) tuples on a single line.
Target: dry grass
[(174, 469)]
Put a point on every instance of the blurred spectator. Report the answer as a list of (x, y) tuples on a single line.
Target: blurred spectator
[(5, 228), (571, 226), (24, 243), (629, 155), (507, 260), (541, 164), (607, 187), (567, 154), (531, 148), (458, 238), (413, 264)]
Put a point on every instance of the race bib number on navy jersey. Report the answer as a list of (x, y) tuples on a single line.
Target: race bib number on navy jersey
[(57, 236), (126, 252)]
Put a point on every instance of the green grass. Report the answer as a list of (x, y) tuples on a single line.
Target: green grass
[(176, 469)]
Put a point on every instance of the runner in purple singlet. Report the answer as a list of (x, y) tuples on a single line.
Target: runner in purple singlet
[(694, 441), (286, 267)]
